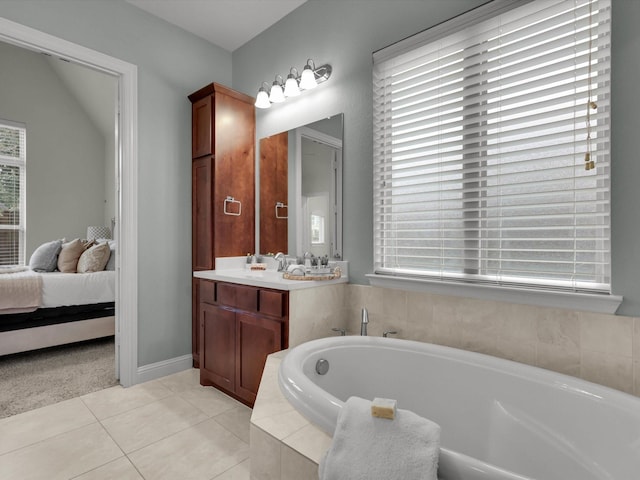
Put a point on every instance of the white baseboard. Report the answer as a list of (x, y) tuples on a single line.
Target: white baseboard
[(163, 368)]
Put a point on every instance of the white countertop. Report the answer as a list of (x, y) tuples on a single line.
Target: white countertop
[(264, 278)]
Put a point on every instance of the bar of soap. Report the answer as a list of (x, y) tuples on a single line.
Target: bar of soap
[(383, 408)]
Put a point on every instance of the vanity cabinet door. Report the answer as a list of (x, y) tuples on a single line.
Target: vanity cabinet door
[(217, 346), (256, 338)]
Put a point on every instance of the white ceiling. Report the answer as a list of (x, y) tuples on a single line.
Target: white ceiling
[(226, 23)]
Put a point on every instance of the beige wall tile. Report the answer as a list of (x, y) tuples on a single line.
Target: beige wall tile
[(518, 352), (418, 323), (550, 338), (296, 466), (606, 333), (313, 312), (558, 359), (518, 323), (613, 371), (265, 455), (636, 377), (560, 328)]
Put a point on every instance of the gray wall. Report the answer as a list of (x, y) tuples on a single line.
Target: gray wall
[(65, 151), (344, 34), (171, 65)]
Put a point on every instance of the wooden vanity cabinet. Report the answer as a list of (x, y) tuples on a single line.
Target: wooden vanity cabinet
[(223, 167), (239, 326)]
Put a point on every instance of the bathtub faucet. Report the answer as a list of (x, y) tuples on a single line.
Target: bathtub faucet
[(364, 322)]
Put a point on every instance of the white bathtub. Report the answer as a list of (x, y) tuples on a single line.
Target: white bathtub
[(500, 420)]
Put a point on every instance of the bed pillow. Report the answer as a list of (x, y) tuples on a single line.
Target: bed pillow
[(94, 258), (111, 264), (45, 257), (70, 254)]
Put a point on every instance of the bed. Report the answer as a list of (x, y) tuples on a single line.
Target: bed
[(39, 310)]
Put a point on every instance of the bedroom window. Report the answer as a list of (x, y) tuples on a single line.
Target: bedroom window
[(12, 193), (491, 149)]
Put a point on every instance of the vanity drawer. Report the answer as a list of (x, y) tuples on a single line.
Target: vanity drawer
[(207, 292), (273, 303), (238, 296)]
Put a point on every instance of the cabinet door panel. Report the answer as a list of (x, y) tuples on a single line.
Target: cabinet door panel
[(257, 337), (217, 346), (235, 176), (201, 131), (202, 220), (195, 319)]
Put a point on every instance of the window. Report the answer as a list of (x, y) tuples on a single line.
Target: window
[(317, 229), (12, 193), (484, 134)]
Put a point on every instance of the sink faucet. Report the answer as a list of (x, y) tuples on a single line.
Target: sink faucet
[(282, 261), (364, 322)]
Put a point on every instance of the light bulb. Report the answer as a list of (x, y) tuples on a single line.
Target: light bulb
[(276, 95), (262, 99), (291, 88), (308, 78)]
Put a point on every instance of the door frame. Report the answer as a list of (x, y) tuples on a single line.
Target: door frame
[(126, 177)]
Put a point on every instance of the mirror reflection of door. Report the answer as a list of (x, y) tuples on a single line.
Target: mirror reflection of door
[(318, 196)]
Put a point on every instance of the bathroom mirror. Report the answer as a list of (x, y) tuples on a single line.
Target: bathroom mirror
[(301, 190)]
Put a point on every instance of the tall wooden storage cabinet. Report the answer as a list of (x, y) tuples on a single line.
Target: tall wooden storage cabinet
[(223, 182)]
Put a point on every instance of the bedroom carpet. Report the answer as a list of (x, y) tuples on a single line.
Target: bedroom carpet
[(34, 379)]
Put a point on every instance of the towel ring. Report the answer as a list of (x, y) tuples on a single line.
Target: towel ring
[(282, 205), (229, 200)]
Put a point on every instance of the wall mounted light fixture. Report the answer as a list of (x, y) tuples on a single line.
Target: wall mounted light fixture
[(294, 85)]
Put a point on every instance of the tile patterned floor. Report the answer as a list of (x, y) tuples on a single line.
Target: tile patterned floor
[(171, 428)]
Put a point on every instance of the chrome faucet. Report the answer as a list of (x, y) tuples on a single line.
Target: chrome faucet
[(364, 322), (282, 261)]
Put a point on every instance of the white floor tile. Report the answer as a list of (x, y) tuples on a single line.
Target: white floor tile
[(61, 457), (142, 426), (208, 399), (36, 425), (199, 453), (239, 472), (115, 400), (236, 421), (120, 469)]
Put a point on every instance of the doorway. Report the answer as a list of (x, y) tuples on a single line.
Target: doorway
[(125, 181)]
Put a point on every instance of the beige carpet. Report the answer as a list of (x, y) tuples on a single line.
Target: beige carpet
[(34, 379)]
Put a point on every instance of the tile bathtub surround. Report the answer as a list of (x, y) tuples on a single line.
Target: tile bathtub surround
[(313, 312), (284, 444), (164, 429), (597, 347)]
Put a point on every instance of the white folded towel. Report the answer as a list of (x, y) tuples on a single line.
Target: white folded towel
[(370, 448)]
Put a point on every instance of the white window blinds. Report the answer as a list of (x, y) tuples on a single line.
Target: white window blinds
[(12, 193), (481, 136)]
